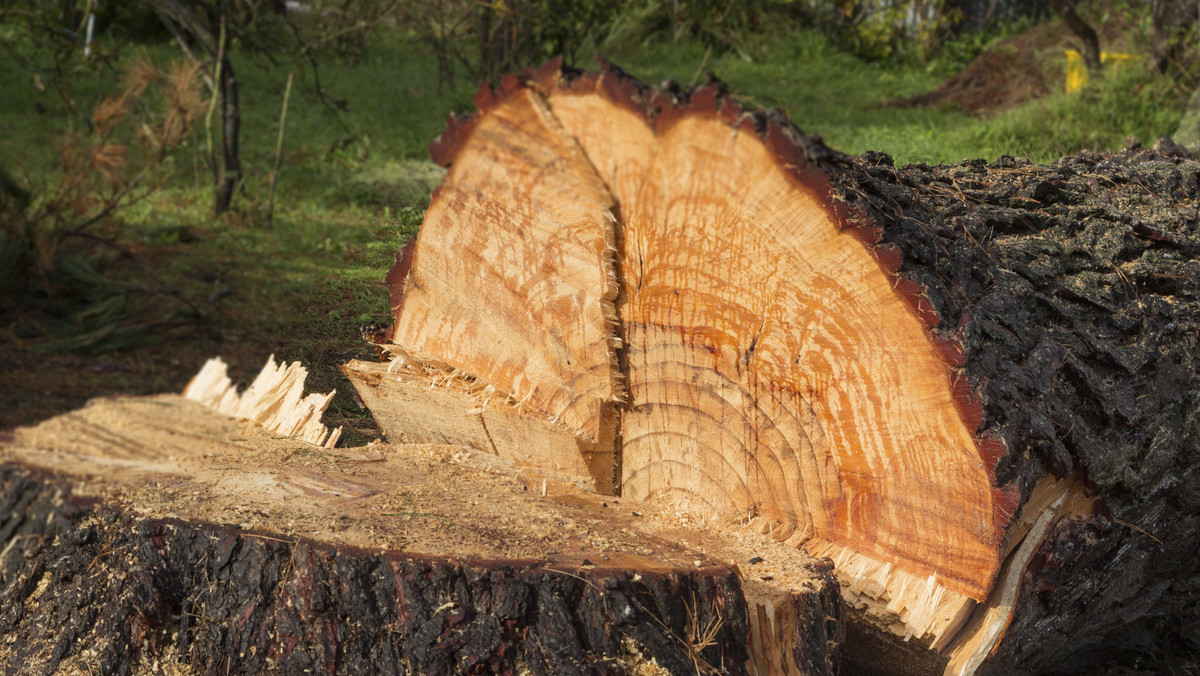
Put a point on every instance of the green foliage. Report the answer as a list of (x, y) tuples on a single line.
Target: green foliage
[(49, 231), (99, 314), (719, 25), (566, 26), (487, 39), (879, 29), (339, 27)]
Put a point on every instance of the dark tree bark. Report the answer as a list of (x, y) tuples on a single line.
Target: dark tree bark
[(222, 600), (229, 175), (1082, 30), (1075, 290)]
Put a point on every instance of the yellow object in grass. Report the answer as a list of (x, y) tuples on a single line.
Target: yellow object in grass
[(1077, 73)]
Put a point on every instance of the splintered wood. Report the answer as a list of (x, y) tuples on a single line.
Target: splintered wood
[(274, 400), (764, 366)]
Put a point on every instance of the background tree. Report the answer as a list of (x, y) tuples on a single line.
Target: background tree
[(1173, 22), (1082, 30), (202, 30)]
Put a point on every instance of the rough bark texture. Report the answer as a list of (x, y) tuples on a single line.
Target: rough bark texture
[(89, 588), (1074, 289)]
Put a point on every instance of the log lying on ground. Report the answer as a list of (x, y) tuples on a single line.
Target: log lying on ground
[(143, 535), (973, 387)]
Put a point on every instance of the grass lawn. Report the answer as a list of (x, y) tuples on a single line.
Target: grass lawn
[(352, 191), (839, 96)]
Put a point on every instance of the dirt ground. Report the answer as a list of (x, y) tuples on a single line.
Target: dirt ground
[(1017, 69), (37, 383), (39, 380)]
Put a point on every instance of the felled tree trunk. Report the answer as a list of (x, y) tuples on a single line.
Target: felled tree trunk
[(972, 387)]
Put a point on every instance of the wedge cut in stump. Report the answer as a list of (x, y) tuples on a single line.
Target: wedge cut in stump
[(952, 382)]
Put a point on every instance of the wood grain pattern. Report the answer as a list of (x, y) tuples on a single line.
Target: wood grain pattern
[(410, 411), (775, 372), (523, 222)]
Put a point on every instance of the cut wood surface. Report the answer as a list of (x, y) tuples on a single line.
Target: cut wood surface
[(762, 339), (152, 534), (555, 273), (971, 387), (414, 407)]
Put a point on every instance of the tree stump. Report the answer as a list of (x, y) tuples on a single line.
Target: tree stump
[(152, 535), (972, 387)]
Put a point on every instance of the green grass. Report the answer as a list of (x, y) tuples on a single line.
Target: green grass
[(1130, 101), (824, 90), (348, 198), (345, 196), (837, 95)]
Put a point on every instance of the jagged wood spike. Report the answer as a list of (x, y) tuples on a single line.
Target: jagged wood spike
[(274, 400)]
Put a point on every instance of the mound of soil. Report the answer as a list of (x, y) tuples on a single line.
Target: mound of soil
[(1015, 70), (997, 79)]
